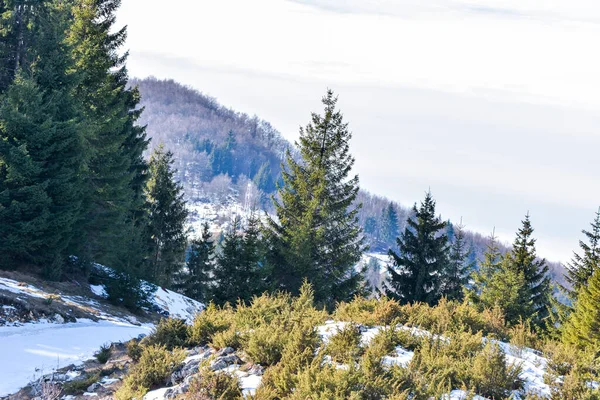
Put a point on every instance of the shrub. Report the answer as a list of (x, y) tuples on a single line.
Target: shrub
[(209, 385), (209, 322), (79, 386), (569, 371), (103, 355), (522, 336), (229, 338), (134, 349), (344, 346), (169, 332), (265, 344), (369, 311), (491, 376), (155, 365)]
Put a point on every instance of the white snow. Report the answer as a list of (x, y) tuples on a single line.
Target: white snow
[(32, 350), (14, 287), (98, 290), (177, 305)]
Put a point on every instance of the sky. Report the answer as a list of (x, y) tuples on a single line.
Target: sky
[(492, 105)]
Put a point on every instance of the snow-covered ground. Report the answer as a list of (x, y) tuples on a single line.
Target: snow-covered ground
[(28, 351), (32, 350)]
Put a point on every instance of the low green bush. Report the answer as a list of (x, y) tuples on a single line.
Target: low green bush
[(155, 365), (344, 345), (208, 385), (169, 332), (103, 355)]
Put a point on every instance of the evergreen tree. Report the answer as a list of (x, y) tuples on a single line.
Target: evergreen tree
[(167, 214), (583, 326), (40, 147), (489, 266), (115, 172), (523, 259), (583, 266), (264, 178), (195, 281), (418, 269), (389, 226), (238, 268), (459, 268), (316, 235)]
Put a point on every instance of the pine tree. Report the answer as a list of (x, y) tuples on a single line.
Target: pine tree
[(264, 178), (167, 214), (583, 326), (582, 267), (195, 281), (489, 266), (418, 269), (389, 226), (116, 172), (459, 268), (40, 147), (316, 235), (523, 259), (238, 268)]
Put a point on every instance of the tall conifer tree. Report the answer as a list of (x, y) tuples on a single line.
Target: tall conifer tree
[(40, 145), (195, 281), (389, 226), (420, 265), (523, 259), (115, 173), (167, 214), (583, 266), (316, 235), (459, 268), (583, 325)]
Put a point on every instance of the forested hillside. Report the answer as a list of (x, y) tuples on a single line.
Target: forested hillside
[(218, 149)]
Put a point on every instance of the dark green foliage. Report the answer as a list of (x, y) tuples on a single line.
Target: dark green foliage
[(237, 274), (127, 290), (114, 176), (583, 266), (194, 281), (523, 260), (421, 264), (316, 235), (103, 355), (264, 178), (41, 154), (459, 268), (167, 214)]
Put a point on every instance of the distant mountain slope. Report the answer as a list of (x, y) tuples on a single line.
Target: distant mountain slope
[(233, 160)]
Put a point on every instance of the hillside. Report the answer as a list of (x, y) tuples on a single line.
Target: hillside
[(228, 163)]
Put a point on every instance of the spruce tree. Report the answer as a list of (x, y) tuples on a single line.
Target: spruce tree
[(459, 268), (167, 214), (195, 281), (488, 267), (316, 234), (237, 273), (583, 326), (40, 147), (583, 266), (389, 226), (115, 170), (420, 265), (523, 259)]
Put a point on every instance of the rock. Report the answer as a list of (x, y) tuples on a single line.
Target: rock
[(231, 359), (218, 365), (225, 351), (184, 371), (256, 369), (58, 319), (93, 387)]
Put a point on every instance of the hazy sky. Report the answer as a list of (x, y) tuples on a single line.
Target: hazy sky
[(493, 104)]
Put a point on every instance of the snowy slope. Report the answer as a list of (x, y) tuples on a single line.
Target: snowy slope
[(31, 350)]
